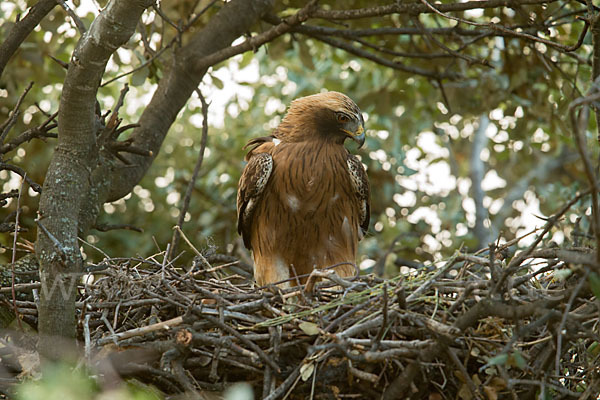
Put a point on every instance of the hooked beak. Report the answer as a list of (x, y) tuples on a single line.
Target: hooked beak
[(358, 136)]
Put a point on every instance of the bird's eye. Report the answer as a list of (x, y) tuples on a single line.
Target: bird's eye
[(343, 118)]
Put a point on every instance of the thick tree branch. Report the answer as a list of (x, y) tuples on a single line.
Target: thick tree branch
[(254, 42), (69, 175), (233, 20), (22, 29)]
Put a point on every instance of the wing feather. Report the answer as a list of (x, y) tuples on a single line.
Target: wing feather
[(360, 181), (251, 186)]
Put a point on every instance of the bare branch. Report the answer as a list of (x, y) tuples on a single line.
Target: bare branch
[(255, 42), (498, 27), (233, 20), (14, 114), (192, 183), (76, 156), (34, 186), (22, 29), (415, 8), (383, 61), (78, 23), (39, 132)]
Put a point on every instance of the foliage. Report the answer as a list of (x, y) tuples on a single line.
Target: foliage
[(417, 152), (61, 382)]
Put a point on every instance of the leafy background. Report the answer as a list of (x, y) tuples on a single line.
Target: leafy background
[(418, 148)]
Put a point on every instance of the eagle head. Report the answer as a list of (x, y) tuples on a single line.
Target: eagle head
[(329, 116)]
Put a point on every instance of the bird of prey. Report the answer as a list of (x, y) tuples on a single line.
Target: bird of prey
[(303, 199)]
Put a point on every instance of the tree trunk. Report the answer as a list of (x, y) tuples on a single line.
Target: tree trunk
[(79, 180), (67, 182)]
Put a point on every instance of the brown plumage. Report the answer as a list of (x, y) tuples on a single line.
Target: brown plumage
[(303, 199)]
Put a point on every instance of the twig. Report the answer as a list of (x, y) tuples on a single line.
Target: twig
[(465, 374), (57, 245), (78, 23), (111, 227), (139, 67), (287, 383), (141, 331), (383, 61), (563, 321), (41, 132), (384, 325), (244, 340), (33, 185), (12, 119), (157, 54), (192, 183), (255, 42), (441, 271), (14, 255), (516, 261)]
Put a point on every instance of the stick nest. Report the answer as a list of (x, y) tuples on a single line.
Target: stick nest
[(485, 326)]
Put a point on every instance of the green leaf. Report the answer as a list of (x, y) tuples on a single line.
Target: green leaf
[(594, 349), (518, 360), (139, 77), (498, 360), (595, 284), (217, 82), (562, 274), (306, 371), (309, 328)]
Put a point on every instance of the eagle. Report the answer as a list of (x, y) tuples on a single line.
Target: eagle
[(303, 198)]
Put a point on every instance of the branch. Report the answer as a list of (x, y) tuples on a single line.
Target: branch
[(415, 8), (579, 126), (39, 132), (78, 23), (157, 54), (22, 29), (17, 170), (255, 42), (192, 183), (391, 31), (12, 119), (425, 7), (516, 261), (68, 180), (234, 19), (469, 59), (497, 27), (548, 166), (383, 61)]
